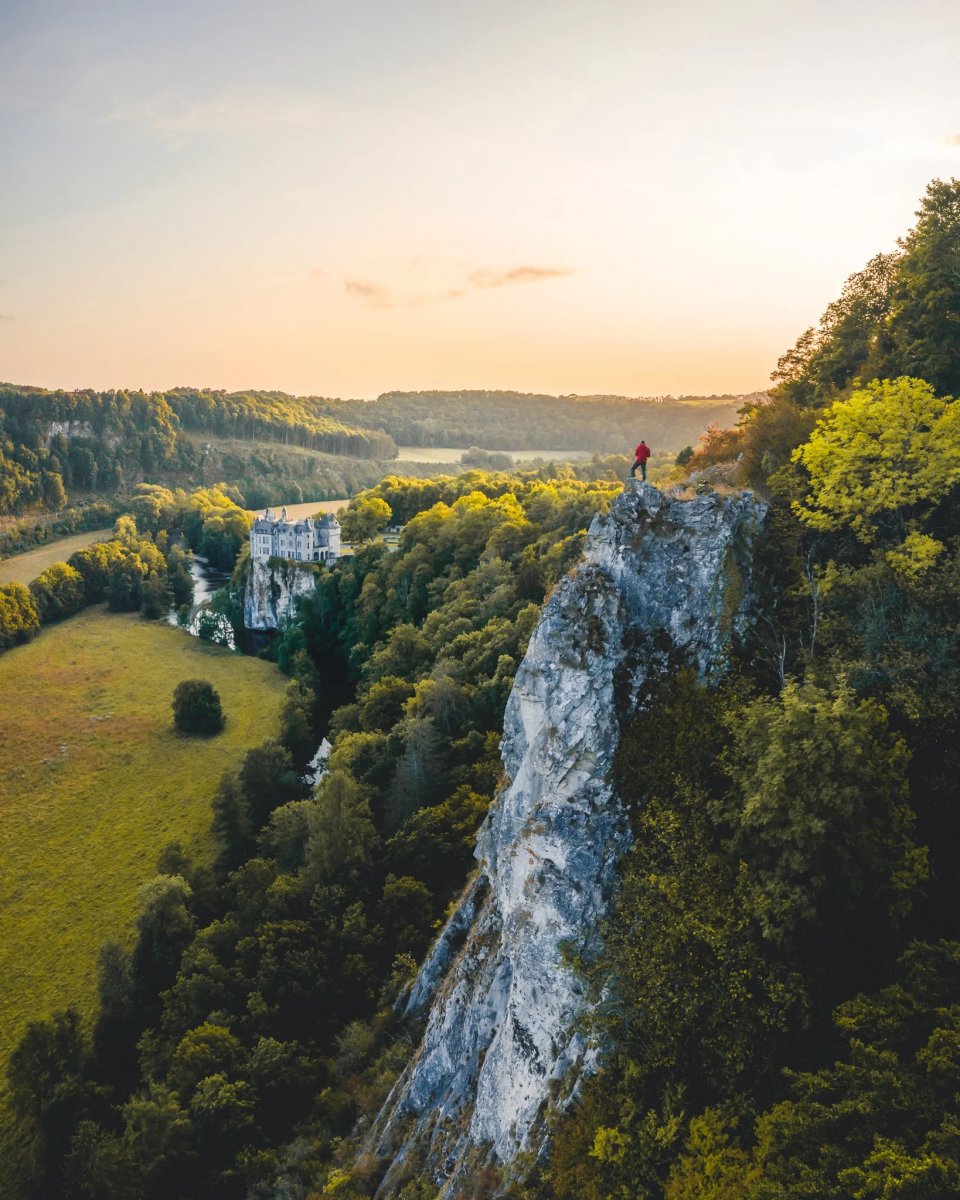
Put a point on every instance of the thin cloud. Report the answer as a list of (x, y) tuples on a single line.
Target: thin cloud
[(377, 295), (374, 294), (318, 273), (953, 139), (7, 317), (527, 274)]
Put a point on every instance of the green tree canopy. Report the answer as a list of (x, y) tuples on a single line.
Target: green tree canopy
[(19, 619), (873, 458), (196, 707), (819, 813), (58, 592), (924, 323), (364, 519)]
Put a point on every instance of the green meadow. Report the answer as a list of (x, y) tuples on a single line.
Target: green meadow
[(94, 782)]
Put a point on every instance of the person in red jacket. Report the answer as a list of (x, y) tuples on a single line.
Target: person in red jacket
[(642, 453)]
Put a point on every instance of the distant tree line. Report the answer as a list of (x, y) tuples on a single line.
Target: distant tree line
[(509, 420), (273, 474), (58, 445), (275, 416)]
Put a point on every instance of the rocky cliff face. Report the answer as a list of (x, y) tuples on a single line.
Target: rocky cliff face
[(659, 577), (271, 590)]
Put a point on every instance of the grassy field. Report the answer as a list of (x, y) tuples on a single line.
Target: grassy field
[(94, 782), (21, 568)]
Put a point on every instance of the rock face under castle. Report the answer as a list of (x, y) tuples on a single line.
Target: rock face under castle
[(303, 541)]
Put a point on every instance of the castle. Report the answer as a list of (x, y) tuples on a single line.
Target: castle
[(303, 541)]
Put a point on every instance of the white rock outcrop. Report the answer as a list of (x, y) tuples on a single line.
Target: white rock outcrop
[(659, 577), (271, 590)]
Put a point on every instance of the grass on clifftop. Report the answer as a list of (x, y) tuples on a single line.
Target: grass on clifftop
[(94, 782)]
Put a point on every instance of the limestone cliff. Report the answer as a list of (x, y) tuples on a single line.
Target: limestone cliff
[(659, 577), (271, 588)]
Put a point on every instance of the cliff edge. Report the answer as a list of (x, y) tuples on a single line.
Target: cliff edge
[(659, 578)]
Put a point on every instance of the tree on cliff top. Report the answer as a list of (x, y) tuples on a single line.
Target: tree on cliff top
[(364, 519)]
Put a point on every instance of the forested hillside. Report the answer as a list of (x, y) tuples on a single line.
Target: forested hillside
[(54, 445), (504, 420), (277, 417), (80, 448)]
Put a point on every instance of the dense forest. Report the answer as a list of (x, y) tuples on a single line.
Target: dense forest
[(776, 1004), (253, 994), (275, 416)]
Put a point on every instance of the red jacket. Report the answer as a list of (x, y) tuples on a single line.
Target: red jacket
[(643, 452)]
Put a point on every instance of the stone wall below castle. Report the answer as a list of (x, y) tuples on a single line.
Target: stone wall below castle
[(268, 599)]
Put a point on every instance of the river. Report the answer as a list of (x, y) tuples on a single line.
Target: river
[(206, 581)]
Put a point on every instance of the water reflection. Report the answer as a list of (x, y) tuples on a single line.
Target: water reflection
[(201, 621)]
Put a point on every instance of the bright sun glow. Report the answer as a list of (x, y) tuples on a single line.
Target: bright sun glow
[(575, 196)]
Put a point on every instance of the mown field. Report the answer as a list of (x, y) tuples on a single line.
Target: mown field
[(21, 568), (307, 508), (94, 782)]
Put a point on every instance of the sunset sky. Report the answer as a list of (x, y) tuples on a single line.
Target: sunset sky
[(346, 198)]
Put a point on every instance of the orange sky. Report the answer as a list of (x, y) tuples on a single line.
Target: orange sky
[(561, 197)]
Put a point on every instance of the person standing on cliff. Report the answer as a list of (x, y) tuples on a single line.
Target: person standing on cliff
[(643, 453)]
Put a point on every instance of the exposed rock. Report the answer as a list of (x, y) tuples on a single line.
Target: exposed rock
[(70, 429), (659, 577), (271, 589), (79, 429), (318, 764)]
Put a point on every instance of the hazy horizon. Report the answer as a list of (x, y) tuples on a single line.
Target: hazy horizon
[(658, 397), (573, 198)]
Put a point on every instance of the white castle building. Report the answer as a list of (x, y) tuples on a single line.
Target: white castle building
[(304, 541)]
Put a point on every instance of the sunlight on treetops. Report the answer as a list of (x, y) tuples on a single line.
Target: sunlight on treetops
[(871, 457)]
